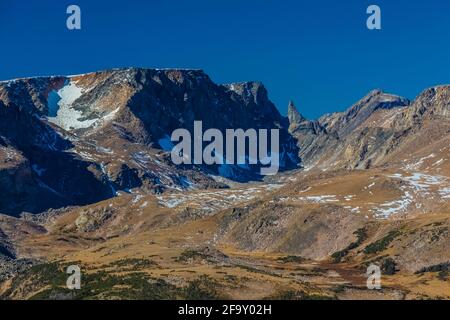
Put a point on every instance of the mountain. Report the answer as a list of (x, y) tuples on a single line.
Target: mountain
[(81, 139), (369, 133), (86, 179)]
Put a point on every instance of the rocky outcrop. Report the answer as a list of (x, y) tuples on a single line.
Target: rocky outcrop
[(433, 103)]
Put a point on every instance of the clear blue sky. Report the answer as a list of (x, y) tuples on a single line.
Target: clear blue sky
[(318, 53)]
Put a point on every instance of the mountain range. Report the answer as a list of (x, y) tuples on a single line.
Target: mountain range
[(86, 177)]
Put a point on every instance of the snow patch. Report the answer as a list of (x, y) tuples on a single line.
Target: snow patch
[(319, 199), (445, 193), (61, 111), (137, 198), (419, 185), (387, 209), (418, 164)]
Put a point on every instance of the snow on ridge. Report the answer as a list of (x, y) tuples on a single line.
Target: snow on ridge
[(25, 78), (80, 75), (49, 77), (98, 71), (8, 81)]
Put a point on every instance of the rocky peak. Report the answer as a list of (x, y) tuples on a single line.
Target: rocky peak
[(373, 101), (248, 90), (298, 124), (343, 123), (254, 97), (294, 116)]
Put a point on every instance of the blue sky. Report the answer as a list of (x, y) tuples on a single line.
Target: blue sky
[(318, 53)]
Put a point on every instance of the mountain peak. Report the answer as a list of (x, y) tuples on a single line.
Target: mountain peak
[(294, 116), (375, 92)]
